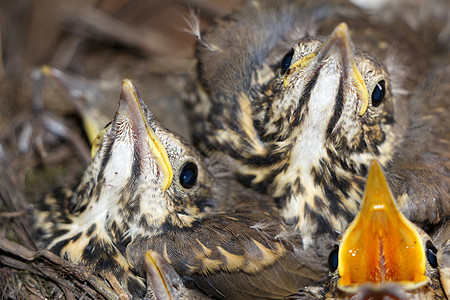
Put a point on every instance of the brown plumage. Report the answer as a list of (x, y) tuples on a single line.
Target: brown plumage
[(299, 116), (148, 189), (420, 170)]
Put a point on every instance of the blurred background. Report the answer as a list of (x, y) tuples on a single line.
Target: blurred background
[(97, 43), (88, 47)]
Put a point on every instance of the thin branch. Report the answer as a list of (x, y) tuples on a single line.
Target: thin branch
[(51, 260), (148, 40)]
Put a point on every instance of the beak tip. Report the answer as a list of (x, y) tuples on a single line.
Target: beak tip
[(342, 30), (375, 165), (46, 70), (376, 176), (128, 94), (148, 258), (127, 85), (127, 82)]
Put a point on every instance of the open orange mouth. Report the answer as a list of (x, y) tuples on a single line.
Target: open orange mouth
[(380, 245)]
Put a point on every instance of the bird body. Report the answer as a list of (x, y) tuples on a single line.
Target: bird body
[(148, 189), (420, 168), (299, 116)]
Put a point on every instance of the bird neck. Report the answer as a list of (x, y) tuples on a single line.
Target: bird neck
[(317, 185), (324, 196), (322, 185), (107, 215)]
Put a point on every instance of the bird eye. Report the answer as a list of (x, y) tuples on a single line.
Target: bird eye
[(286, 61), (188, 175), (378, 93), (333, 259), (431, 252)]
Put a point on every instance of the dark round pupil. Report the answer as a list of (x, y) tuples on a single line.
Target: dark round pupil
[(333, 259), (431, 254), (188, 175), (378, 93), (286, 61)]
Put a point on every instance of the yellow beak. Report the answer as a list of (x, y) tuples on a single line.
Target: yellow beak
[(380, 245), (158, 277), (132, 103), (337, 45), (340, 38)]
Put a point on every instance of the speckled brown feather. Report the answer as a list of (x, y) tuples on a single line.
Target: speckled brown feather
[(218, 235), (237, 117), (250, 243)]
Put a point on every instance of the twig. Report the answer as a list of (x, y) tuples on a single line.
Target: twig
[(12, 214), (148, 40), (116, 286), (1, 55), (78, 272), (13, 200)]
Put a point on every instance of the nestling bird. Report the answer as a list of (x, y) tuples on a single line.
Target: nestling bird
[(300, 117), (148, 189), (382, 255)]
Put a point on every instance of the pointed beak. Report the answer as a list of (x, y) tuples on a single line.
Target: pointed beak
[(380, 245), (131, 104), (338, 45), (158, 280)]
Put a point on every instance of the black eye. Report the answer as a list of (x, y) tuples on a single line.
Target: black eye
[(286, 61), (378, 93), (333, 259), (188, 175), (431, 252)]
